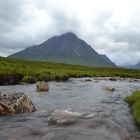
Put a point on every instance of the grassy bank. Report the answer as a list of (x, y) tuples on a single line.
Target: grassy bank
[(134, 103), (17, 71)]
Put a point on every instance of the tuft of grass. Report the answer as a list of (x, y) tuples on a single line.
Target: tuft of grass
[(134, 103)]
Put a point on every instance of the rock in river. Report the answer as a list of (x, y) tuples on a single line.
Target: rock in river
[(16, 103), (65, 117), (108, 88), (114, 78), (88, 79), (42, 86)]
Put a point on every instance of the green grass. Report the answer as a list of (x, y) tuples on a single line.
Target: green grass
[(134, 103), (15, 71)]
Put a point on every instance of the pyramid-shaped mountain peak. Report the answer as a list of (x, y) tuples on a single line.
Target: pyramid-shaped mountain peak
[(66, 48)]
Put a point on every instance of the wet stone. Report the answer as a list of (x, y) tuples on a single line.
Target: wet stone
[(88, 80), (42, 86), (65, 117), (108, 88), (114, 79), (134, 80), (16, 103)]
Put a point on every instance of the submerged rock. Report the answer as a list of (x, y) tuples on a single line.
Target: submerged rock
[(42, 86), (100, 78), (114, 78), (65, 117), (134, 80), (16, 103), (108, 88), (88, 80)]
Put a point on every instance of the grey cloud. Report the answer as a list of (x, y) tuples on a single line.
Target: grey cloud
[(20, 25), (10, 14), (120, 43), (64, 22)]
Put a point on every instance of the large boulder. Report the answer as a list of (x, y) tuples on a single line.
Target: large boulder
[(16, 103), (42, 86)]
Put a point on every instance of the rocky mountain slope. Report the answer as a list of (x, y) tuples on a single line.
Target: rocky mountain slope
[(66, 48)]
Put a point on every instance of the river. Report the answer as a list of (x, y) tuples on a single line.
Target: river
[(111, 117)]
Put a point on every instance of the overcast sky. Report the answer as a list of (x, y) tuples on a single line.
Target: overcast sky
[(111, 27)]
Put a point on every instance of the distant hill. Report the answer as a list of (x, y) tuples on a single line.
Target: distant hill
[(66, 48), (137, 66)]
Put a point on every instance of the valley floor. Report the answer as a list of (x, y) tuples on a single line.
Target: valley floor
[(20, 71)]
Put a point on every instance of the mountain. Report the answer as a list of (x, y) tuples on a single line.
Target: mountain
[(137, 66), (66, 48)]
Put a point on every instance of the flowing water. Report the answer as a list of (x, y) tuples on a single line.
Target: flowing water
[(111, 119)]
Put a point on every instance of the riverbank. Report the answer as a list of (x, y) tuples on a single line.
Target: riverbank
[(134, 103), (13, 71)]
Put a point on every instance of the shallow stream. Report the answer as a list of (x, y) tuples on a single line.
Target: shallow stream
[(111, 119)]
